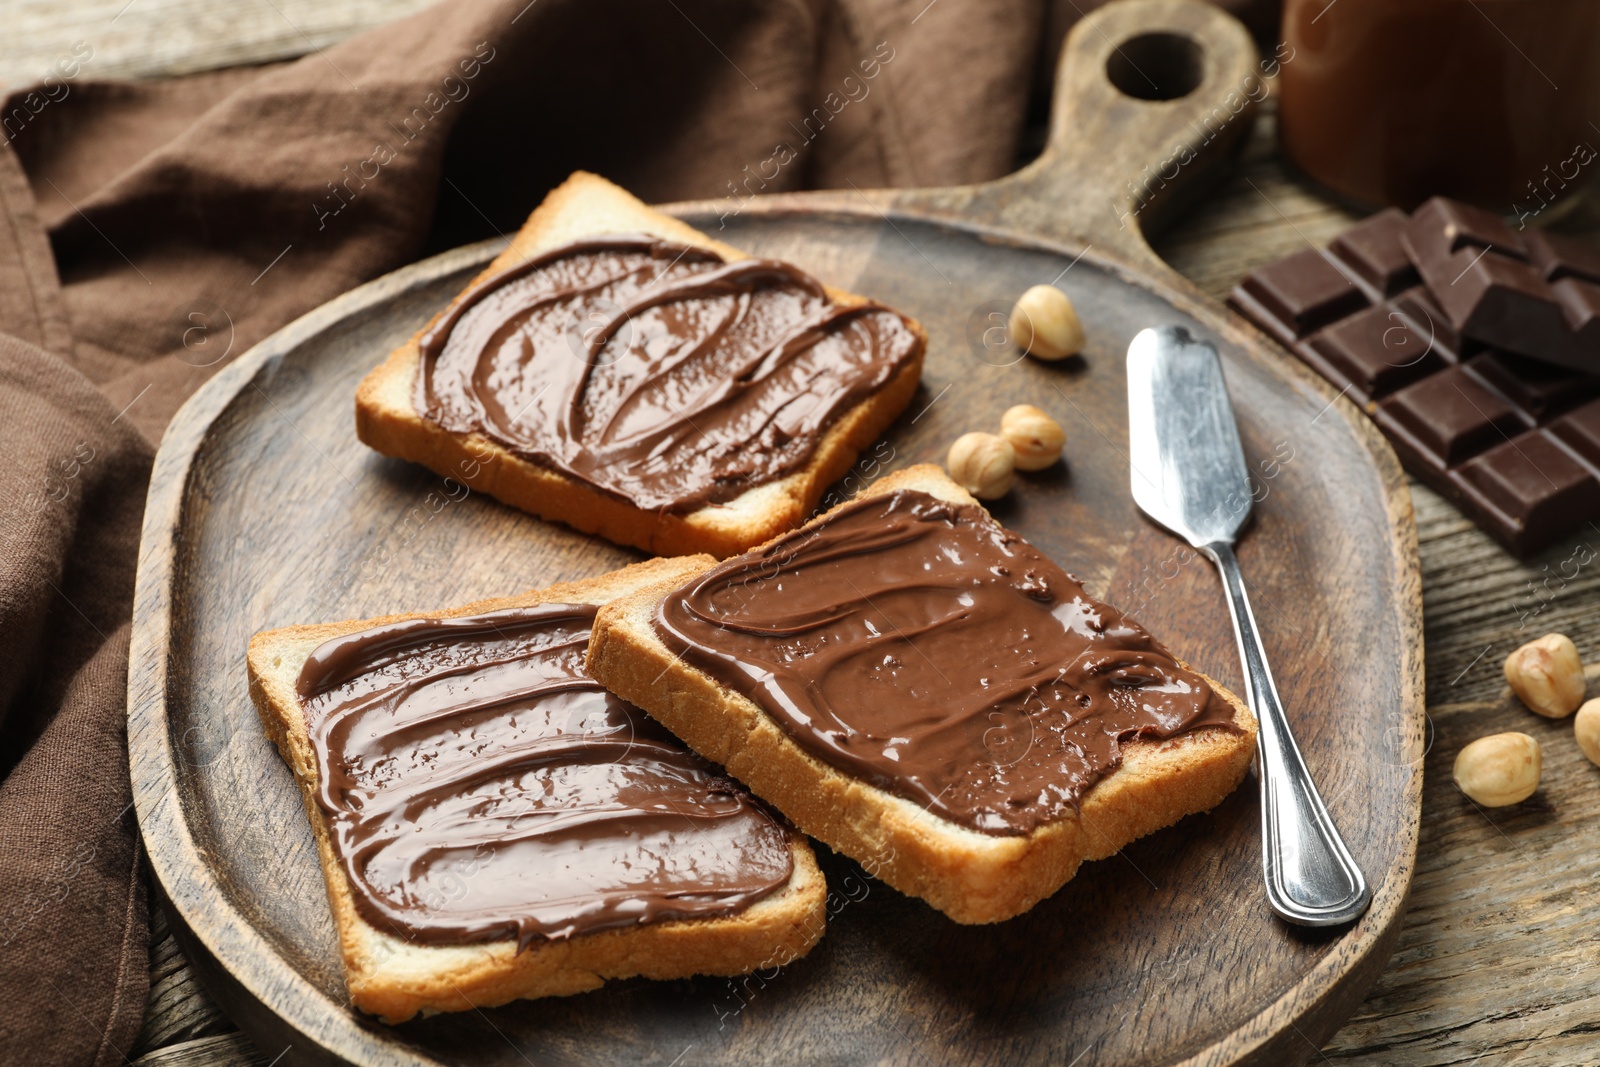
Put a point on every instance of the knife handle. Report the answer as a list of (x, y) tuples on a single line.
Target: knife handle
[(1312, 880)]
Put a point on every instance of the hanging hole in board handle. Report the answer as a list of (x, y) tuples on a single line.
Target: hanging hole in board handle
[(1156, 66), (1143, 119)]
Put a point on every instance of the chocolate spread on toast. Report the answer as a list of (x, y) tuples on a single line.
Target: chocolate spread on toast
[(478, 786), (919, 646), (656, 372)]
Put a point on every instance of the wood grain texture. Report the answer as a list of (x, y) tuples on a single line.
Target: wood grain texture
[(265, 511), (223, 1050), (178, 1010), (157, 38)]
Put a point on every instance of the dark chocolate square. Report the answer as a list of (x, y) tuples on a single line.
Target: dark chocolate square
[(1466, 227), (1580, 430), (1372, 249), (1304, 291), (1423, 310), (1580, 304), (1541, 390), (1499, 281), (1449, 416), (1379, 350), (1536, 484), (1559, 257)]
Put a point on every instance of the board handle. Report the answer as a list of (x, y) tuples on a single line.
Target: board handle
[(1151, 98)]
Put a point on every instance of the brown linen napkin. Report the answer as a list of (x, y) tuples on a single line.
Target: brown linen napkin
[(71, 495), (154, 231)]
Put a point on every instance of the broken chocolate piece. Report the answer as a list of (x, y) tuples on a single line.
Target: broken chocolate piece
[(1514, 442), (1535, 294)]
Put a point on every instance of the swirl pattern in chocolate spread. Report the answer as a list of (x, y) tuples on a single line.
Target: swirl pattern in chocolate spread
[(918, 645), (479, 786), (656, 372)]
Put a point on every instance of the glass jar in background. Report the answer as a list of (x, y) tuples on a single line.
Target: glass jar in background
[(1496, 102)]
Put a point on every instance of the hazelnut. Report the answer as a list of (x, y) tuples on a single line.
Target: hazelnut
[(1044, 325), (1547, 675), (1587, 728), (982, 463), (1035, 436), (1500, 769)]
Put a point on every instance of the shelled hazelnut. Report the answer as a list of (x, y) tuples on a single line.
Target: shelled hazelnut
[(1547, 676), (982, 464), (1499, 769), (1044, 324), (1586, 727), (1035, 437)]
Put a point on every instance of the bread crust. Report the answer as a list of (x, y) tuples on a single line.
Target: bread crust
[(970, 876), (585, 205), (395, 979)]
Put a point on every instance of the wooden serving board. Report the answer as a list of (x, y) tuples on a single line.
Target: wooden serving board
[(264, 510)]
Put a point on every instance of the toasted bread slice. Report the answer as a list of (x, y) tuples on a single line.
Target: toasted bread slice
[(585, 206), (395, 978), (972, 877)]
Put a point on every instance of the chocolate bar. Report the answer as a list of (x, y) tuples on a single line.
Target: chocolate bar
[(1514, 442), (1532, 293)]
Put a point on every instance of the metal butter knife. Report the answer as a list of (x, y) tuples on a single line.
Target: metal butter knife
[(1189, 475)]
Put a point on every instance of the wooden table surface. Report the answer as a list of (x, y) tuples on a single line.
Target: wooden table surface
[(1499, 958)]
